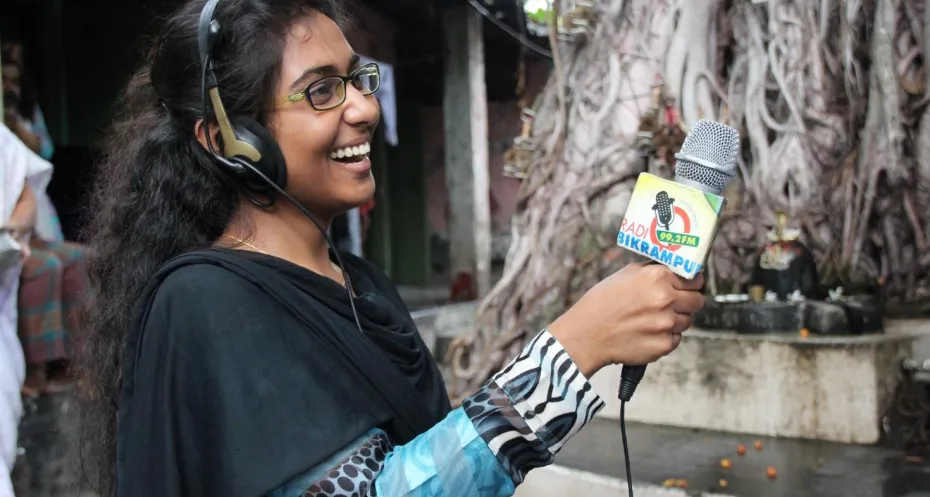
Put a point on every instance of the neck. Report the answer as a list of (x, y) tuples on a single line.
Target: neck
[(285, 232)]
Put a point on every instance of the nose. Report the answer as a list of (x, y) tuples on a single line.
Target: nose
[(361, 110)]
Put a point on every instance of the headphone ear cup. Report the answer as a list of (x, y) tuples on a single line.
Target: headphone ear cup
[(272, 162)]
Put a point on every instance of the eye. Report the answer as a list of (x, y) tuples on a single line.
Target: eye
[(324, 92), (322, 89)]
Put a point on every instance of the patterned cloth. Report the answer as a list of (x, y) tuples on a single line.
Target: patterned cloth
[(51, 289), (36, 125), (518, 421)]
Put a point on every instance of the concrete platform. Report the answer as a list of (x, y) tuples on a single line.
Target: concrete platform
[(825, 388), (564, 481)]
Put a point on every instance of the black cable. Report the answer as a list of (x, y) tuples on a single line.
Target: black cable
[(626, 448), (507, 29), (629, 380)]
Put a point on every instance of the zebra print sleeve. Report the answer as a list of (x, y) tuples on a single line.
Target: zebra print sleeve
[(528, 410)]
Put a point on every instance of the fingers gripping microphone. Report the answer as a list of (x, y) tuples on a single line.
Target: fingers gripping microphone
[(680, 234)]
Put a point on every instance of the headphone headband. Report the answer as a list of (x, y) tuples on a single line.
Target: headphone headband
[(245, 149), (208, 31)]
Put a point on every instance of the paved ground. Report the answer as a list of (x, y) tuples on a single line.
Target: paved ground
[(804, 468), (50, 466)]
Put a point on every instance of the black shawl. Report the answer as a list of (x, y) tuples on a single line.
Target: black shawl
[(243, 371)]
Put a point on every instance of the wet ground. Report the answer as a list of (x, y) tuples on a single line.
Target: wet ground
[(803, 468), (50, 466)]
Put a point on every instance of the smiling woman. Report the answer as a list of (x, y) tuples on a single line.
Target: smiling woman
[(230, 352)]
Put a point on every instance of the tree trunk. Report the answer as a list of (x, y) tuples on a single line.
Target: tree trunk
[(829, 98)]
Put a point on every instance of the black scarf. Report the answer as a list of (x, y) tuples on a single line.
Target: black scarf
[(238, 408)]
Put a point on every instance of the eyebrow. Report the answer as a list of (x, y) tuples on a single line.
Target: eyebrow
[(322, 71)]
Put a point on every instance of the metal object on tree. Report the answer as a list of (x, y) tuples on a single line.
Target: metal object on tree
[(519, 158), (660, 130)]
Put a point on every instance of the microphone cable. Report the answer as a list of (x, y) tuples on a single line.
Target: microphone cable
[(629, 380), (626, 447)]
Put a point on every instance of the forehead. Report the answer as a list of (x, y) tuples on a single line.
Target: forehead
[(314, 41)]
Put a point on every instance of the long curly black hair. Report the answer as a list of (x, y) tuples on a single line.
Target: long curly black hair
[(158, 193)]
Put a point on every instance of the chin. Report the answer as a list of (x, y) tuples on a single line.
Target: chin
[(365, 194), (356, 195)]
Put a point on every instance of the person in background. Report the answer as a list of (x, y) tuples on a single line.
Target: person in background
[(20, 171), (23, 116), (21, 112), (52, 283)]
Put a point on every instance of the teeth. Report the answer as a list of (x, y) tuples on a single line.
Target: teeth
[(347, 152)]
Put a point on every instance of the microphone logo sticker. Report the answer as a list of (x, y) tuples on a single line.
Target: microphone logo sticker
[(671, 223), (663, 209)]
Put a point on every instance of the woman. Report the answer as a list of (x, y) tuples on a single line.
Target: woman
[(235, 366), (20, 170), (22, 113), (53, 283)]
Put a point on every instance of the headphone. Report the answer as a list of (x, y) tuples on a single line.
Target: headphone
[(245, 149)]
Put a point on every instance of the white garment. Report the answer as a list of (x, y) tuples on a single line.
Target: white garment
[(48, 227), (18, 165), (387, 97)]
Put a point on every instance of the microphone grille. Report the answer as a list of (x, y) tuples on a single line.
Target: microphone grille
[(708, 155), (711, 178)]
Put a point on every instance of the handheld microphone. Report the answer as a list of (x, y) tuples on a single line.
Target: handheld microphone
[(675, 222)]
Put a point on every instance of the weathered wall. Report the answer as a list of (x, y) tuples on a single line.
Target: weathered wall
[(503, 126)]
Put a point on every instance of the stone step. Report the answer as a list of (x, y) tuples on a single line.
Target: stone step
[(833, 388)]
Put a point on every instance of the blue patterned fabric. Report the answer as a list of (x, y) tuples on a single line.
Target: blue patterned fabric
[(37, 126), (518, 421)]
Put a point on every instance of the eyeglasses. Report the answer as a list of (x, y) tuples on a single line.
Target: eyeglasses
[(330, 92)]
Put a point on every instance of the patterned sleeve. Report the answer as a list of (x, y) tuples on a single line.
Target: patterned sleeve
[(518, 421), (46, 146)]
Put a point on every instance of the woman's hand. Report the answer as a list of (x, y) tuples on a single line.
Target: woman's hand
[(635, 316), (21, 235)]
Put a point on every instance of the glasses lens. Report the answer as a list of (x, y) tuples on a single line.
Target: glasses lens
[(326, 93), (367, 79)]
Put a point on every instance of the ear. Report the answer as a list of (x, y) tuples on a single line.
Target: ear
[(199, 132)]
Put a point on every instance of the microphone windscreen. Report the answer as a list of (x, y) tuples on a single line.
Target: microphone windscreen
[(708, 156)]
